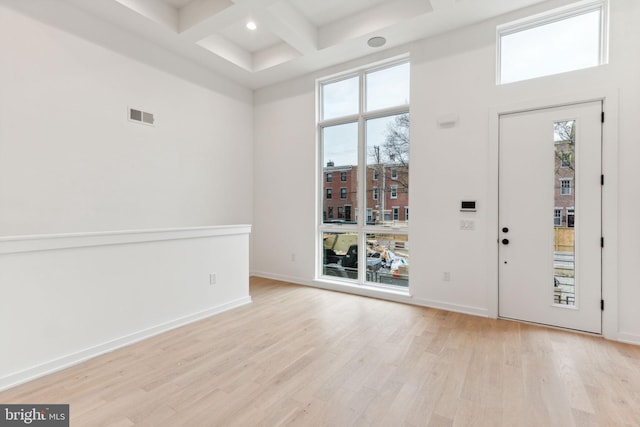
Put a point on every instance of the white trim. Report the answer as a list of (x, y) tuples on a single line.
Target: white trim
[(64, 362), (553, 15), (629, 338), (457, 308), (45, 242)]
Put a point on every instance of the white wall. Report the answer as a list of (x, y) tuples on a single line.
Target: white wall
[(69, 297), (454, 73), (70, 161)]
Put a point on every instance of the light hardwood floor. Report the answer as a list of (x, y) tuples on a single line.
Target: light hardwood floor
[(302, 357)]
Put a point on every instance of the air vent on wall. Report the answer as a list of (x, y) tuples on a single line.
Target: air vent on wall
[(140, 116)]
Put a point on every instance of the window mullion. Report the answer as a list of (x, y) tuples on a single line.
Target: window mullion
[(362, 182)]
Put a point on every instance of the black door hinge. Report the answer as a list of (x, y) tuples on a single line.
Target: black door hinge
[(602, 117), (601, 179), (602, 305), (602, 242)]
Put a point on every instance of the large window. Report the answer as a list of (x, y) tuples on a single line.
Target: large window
[(364, 135), (566, 39)]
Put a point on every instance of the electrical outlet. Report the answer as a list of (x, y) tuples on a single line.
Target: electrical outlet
[(293, 257), (446, 276), (212, 278)]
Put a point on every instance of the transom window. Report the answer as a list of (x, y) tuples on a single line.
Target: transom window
[(565, 39), (364, 129)]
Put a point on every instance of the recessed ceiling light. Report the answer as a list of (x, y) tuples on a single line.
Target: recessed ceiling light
[(376, 41), (251, 25)]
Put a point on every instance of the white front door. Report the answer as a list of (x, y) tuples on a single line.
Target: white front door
[(550, 216)]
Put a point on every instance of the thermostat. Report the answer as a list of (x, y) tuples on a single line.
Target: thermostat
[(468, 206)]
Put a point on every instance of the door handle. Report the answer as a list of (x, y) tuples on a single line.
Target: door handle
[(505, 241)]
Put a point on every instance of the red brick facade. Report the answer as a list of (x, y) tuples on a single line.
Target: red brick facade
[(387, 194)]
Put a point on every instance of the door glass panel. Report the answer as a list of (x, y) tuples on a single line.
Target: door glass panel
[(564, 285), (388, 259), (340, 258)]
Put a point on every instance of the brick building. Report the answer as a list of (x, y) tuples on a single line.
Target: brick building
[(564, 191), (387, 198)]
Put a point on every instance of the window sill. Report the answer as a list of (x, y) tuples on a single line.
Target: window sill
[(398, 295)]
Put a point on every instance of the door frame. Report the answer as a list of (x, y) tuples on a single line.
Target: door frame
[(609, 98)]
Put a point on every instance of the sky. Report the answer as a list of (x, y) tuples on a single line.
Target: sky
[(566, 45), (388, 87)]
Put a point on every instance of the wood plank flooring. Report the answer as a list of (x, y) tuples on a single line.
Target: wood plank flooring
[(300, 356)]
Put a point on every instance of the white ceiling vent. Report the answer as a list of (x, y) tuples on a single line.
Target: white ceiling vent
[(140, 116)]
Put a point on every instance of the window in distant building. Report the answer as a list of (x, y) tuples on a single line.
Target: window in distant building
[(557, 217)]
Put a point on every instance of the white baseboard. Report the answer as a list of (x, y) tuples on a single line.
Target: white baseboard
[(64, 362), (458, 308), (628, 338), (281, 277), (377, 293)]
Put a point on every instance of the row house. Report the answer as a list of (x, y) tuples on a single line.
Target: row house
[(387, 198)]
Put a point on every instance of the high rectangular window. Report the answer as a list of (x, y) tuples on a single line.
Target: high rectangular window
[(363, 132), (329, 177), (565, 39)]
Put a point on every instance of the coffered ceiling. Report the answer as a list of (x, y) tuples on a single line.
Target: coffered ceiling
[(292, 37)]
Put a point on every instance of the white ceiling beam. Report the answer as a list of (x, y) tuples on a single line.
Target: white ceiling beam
[(375, 19), (200, 18), (228, 50), (438, 5), (291, 26), (156, 11), (273, 56)]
